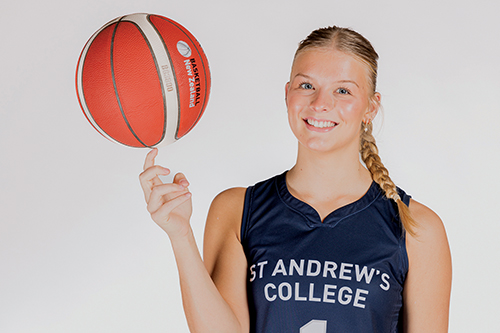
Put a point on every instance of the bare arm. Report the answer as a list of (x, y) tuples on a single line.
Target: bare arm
[(224, 257), (170, 207), (427, 288)]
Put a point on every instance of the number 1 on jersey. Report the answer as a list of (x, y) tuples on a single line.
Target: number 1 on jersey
[(314, 326)]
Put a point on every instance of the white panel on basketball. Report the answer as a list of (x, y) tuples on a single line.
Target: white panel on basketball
[(164, 66)]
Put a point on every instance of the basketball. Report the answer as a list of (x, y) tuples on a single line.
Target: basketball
[(143, 80)]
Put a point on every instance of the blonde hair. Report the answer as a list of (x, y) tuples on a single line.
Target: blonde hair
[(353, 43)]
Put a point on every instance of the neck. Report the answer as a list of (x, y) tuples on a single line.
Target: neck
[(328, 174)]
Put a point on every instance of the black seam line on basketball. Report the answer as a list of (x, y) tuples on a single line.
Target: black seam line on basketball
[(205, 77), (207, 93), (88, 113), (173, 70), (116, 89), (158, 72), (148, 17), (203, 105)]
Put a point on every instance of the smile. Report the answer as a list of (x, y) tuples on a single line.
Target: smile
[(320, 123)]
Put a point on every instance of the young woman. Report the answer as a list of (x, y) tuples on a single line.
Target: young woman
[(332, 245)]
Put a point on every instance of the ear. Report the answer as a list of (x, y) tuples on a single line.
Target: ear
[(287, 87), (373, 108)]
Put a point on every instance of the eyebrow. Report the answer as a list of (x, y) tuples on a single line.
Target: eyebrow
[(303, 75), (348, 81), (340, 81)]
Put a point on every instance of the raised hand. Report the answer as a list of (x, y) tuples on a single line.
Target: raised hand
[(168, 203)]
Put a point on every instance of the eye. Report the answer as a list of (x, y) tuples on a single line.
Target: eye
[(306, 85), (343, 91)]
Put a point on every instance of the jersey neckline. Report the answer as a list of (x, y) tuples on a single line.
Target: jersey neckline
[(333, 218)]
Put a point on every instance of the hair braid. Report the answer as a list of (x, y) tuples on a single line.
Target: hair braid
[(369, 154)]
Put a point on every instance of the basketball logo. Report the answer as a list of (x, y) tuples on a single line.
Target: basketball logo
[(183, 49)]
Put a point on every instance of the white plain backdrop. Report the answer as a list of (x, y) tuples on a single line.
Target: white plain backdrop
[(78, 251)]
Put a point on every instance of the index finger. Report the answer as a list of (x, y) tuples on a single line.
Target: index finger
[(150, 158)]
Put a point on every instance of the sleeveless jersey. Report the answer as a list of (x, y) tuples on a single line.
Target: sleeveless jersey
[(344, 274)]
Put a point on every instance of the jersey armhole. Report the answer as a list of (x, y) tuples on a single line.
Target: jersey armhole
[(402, 242), (246, 215)]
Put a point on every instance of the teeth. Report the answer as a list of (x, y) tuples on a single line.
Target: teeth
[(320, 124)]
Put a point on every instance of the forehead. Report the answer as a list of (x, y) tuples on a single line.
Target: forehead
[(330, 62)]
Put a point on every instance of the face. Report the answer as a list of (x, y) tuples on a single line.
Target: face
[(328, 97)]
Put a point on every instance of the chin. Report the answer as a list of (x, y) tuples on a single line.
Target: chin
[(318, 146)]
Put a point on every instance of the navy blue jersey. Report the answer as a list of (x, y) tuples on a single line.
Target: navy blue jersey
[(344, 274)]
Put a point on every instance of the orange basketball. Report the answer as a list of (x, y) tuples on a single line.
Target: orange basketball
[(143, 80)]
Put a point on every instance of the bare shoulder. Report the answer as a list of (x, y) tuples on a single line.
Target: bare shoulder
[(226, 212), (429, 226), (222, 230), (430, 241), (230, 197)]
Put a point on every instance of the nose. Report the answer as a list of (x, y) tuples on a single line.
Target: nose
[(322, 101)]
